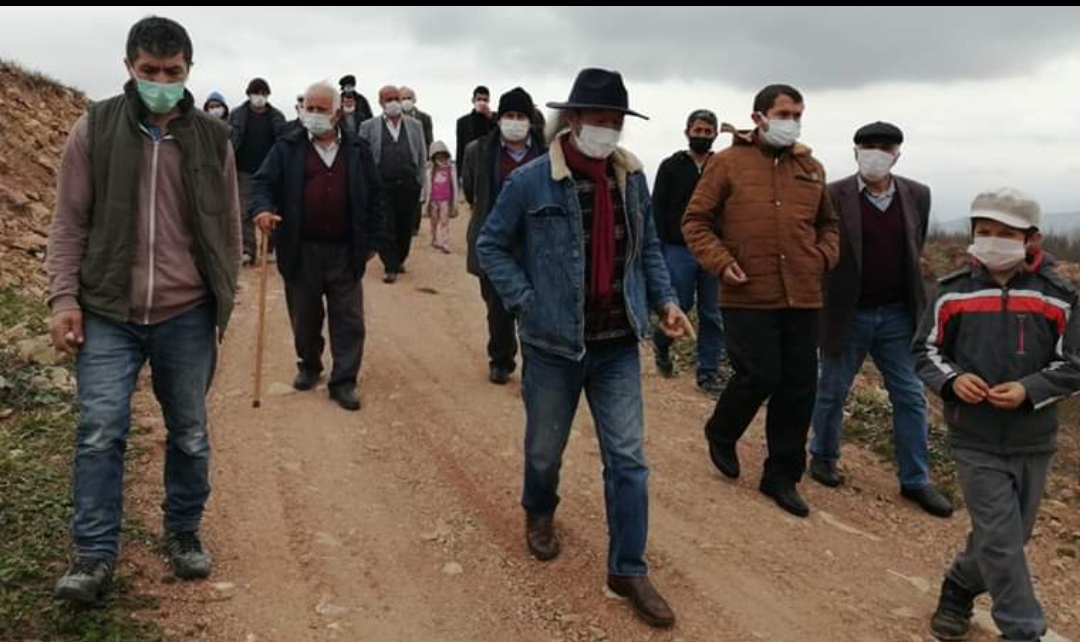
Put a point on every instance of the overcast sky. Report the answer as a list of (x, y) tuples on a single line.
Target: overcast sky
[(986, 96)]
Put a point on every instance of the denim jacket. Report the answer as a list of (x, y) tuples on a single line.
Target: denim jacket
[(532, 248)]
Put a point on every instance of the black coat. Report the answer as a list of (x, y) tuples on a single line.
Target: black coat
[(480, 184), (843, 285), (278, 187), (471, 126), (675, 182)]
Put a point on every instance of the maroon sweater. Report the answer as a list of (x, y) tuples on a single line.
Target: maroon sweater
[(883, 254), (326, 199)]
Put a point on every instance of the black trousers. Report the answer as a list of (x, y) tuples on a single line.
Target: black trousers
[(774, 355), (502, 344), (402, 204), (325, 270)]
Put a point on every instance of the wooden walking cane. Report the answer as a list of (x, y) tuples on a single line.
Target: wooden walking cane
[(260, 339)]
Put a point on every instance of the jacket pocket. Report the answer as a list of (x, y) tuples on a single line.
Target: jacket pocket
[(209, 188)]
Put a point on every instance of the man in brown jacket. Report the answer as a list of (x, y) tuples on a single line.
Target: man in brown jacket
[(762, 221)]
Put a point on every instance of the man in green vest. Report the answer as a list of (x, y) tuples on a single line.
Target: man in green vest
[(143, 257)]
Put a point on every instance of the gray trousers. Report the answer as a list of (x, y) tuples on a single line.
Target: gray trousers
[(325, 270), (1002, 495)]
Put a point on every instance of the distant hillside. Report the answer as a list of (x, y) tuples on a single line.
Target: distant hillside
[(36, 114)]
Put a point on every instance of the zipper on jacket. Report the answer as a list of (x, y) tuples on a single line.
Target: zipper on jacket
[(630, 249), (1002, 433), (153, 232)]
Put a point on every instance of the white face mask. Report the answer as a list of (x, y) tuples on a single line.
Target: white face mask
[(317, 124), (348, 109), (258, 101), (514, 131), (998, 254), (597, 142), (407, 104), (216, 112), (781, 133), (392, 109), (874, 164)]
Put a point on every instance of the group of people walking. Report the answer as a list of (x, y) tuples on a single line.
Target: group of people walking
[(579, 262)]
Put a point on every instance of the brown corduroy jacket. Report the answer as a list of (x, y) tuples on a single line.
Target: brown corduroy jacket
[(770, 214)]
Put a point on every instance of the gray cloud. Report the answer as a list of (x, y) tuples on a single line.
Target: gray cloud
[(814, 47)]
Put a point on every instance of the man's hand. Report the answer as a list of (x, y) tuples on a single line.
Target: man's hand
[(1007, 396), (267, 221), (734, 275), (66, 330), (971, 388), (675, 324)]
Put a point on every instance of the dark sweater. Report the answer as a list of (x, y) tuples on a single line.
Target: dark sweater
[(396, 163), (883, 260), (258, 139), (675, 182), (326, 211)]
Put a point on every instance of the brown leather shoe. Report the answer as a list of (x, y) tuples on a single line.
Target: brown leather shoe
[(540, 536), (649, 605)]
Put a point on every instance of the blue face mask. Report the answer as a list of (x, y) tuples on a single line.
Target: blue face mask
[(160, 97)]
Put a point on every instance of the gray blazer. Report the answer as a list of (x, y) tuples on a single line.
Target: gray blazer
[(842, 285), (371, 131)]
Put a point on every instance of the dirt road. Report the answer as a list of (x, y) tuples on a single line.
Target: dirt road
[(402, 522)]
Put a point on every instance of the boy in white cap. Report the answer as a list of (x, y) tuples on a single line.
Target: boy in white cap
[(999, 345)]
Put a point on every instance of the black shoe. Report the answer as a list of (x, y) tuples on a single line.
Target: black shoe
[(952, 618), (540, 536), (711, 384), (786, 497), (86, 582), (825, 473), (498, 375), (189, 559), (346, 397), (649, 605), (724, 457), (664, 364), (305, 380), (929, 499)]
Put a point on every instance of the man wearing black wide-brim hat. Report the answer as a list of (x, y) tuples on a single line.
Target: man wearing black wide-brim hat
[(571, 248)]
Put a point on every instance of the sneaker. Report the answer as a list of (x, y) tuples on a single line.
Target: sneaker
[(664, 364), (248, 260), (825, 473), (189, 559), (711, 384), (952, 619), (86, 582), (498, 375), (929, 499)]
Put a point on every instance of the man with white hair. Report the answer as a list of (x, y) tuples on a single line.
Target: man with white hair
[(409, 108), (319, 194)]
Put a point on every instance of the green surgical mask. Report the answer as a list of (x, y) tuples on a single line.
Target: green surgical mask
[(160, 97)]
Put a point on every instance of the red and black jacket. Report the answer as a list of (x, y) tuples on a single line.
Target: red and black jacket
[(1027, 331)]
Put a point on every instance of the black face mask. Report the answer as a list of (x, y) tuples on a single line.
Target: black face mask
[(700, 144)]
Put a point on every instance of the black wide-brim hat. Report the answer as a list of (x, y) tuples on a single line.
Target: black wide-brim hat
[(598, 89)]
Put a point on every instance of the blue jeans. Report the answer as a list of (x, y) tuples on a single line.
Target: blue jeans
[(689, 280), (182, 353), (611, 379), (885, 333)]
